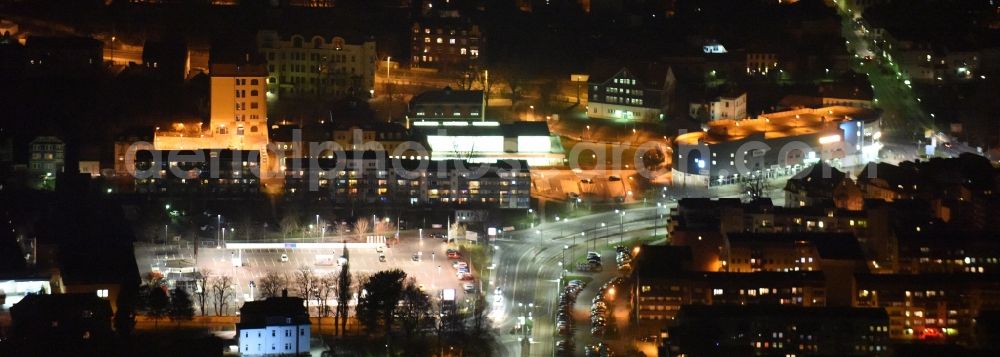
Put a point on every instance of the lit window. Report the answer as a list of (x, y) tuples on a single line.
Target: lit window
[(102, 293)]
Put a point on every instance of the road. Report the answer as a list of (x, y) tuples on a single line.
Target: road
[(529, 265)]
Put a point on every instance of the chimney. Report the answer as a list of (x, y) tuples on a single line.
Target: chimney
[(284, 293)]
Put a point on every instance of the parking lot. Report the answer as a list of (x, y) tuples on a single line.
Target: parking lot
[(423, 259)]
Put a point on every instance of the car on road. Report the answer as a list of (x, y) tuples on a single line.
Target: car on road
[(458, 264), (284, 258), (614, 178), (379, 249), (415, 257), (454, 255), (465, 276), (381, 258), (469, 287)]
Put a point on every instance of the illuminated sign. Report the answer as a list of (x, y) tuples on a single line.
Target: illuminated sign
[(829, 139), (448, 295), (714, 48)]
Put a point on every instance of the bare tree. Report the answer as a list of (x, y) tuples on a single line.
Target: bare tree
[(754, 187), (457, 230), (203, 289), (326, 286), (271, 284), (361, 227), (222, 291), (289, 224), (305, 284)]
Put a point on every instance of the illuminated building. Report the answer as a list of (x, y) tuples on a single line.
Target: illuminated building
[(238, 114), (639, 92), (197, 171), (929, 307), (447, 42), (317, 66), (705, 226), (489, 141), (447, 105), (821, 184), (373, 178), (726, 106), (778, 330), (46, 159), (728, 151), (278, 326), (662, 288)]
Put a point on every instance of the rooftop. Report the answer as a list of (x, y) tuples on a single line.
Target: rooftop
[(448, 95), (777, 125)]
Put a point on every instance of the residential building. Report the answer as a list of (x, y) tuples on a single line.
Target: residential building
[(726, 106), (238, 115), (217, 171), (447, 42), (761, 62), (639, 92), (60, 324), (168, 59), (821, 184), (278, 326), (665, 280), (775, 144), (705, 226), (778, 330), (447, 105), (303, 65), (63, 56), (373, 136), (126, 145), (929, 307), (46, 160), (374, 178)]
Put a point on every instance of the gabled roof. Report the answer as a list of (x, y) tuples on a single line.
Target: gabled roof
[(275, 311), (647, 74), (448, 95)]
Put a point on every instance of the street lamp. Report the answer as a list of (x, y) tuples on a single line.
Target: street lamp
[(563, 259), (218, 234)]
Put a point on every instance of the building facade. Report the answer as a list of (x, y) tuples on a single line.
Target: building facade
[(447, 105), (202, 171), (779, 331), (630, 94), (46, 158), (929, 307), (367, 178), (731, 151), (722, 107), (316, 66), (449, 43), (278, 326)]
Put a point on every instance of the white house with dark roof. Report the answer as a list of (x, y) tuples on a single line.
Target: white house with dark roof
[(278, 326)]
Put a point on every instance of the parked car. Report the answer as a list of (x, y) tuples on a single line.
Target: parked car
[(284, 258)]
